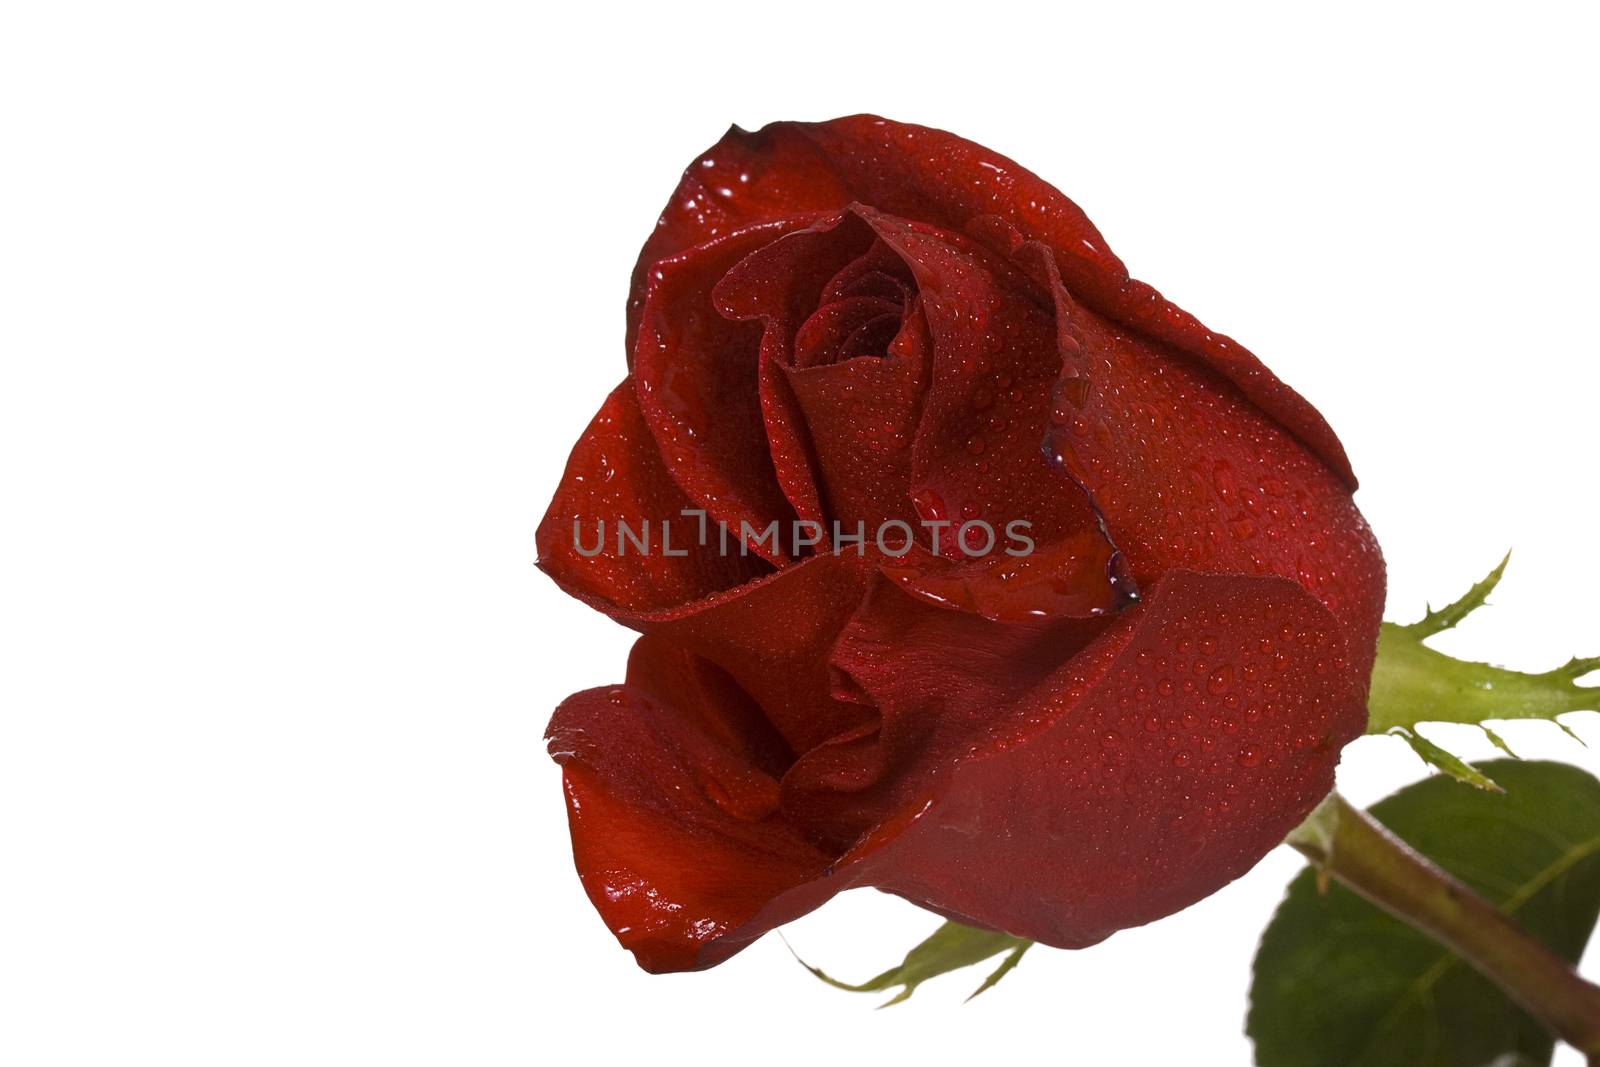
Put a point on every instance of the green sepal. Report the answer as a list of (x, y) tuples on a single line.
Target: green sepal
[(1013, 958), (1413, 684), (949, 948), (1447, 761), (1445, 618)]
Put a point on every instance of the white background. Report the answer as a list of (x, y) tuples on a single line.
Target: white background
[(302, 306)]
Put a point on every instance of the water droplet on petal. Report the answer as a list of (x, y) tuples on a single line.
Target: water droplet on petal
[(1220, 680)]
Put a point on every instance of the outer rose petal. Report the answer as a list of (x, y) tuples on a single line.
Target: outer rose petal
[(668, 806), (1146, 773), (1188, 474), (745, 180), (615, 475), (933, 176)]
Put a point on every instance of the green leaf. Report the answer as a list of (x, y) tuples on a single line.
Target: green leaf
[(1412, 684), (950, 948), (1339, 983), (1446, 618)]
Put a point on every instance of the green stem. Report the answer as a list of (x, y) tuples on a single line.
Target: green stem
[(1350, 846)]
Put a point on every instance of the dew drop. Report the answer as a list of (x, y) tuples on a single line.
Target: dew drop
[(1222, 478), (929, 505), (1220, 680)]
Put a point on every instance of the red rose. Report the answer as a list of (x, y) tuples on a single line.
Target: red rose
[(865, 329)]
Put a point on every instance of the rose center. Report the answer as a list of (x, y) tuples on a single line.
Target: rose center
[(859, 311)]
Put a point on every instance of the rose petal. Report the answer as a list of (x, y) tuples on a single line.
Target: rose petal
[(779, 285), (1078, 576), (774, 636), (941, 679), (880, 272), (862, 416), (665, 804), (615, 476), (976, 460), (697, 374), (1185, 472), (720, 710), (1138, 777), (844, 328), (744, 179)]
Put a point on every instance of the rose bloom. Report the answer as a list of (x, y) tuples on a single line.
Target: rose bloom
[(849, 323)]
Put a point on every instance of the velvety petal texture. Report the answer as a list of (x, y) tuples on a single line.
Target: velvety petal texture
[(972, 569)]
